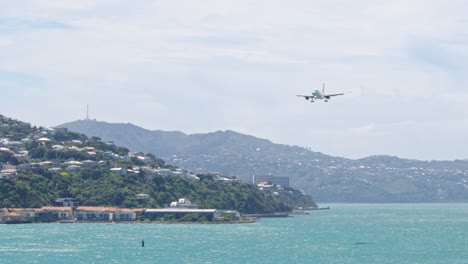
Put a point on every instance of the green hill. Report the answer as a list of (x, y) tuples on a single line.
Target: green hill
[(40, 165)]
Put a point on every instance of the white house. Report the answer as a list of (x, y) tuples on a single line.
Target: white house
[(164, 172), (183, 203), (43, 140), (73, 168), (120, 171)]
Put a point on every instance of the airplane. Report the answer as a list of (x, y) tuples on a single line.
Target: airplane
[(319, 95)]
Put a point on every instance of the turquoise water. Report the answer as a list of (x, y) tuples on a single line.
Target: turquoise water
[(357, 233)]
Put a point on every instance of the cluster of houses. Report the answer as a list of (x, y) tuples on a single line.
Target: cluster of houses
[(17, 149), (66, 210), (271, 183), (64, 214), (72, 213)]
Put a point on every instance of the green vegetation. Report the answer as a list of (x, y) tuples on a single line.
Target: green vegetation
[(179, 218), (46, 175), (98, 187)]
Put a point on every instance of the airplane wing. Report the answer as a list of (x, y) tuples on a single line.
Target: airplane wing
[(307, 97), (330, 95)]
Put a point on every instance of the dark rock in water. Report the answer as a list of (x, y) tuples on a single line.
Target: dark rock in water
[(363, 243)]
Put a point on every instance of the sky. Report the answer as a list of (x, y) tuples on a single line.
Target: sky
[(199, 66)]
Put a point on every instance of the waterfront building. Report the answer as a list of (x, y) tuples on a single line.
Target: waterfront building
[(210, 214), (99, 213)]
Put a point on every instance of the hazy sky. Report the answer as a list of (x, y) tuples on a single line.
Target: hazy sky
[(200, 66)]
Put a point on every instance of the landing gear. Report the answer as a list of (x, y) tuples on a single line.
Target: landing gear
[(326, 100)]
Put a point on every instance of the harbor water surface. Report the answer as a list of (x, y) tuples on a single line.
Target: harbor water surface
[(347, 233)]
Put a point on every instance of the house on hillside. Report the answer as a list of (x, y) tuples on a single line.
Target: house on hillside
[(5, 149), (192, 176), (15, 144), (8, 173), (76, 142), (183, 203), (21, 157), (88, 163), (164, 172), (58, 147), (275, 180), (73, 168), (120, 171), (55, 169), (66, 202), (43, 140), (50, 131), (73, 162), (125, 214)]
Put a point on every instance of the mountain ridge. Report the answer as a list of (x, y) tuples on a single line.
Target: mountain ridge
[(378, 178)]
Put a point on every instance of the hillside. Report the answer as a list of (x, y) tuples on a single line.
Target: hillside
[(39, 165), (326, 178)]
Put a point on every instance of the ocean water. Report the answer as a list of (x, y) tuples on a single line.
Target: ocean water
[(347, 233)]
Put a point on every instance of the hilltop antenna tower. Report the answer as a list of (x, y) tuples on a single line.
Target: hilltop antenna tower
[(87, 112)]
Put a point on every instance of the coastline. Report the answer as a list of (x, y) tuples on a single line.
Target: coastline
[(246, 220)]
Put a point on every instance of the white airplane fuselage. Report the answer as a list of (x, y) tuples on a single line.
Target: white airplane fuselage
[(319, 95)]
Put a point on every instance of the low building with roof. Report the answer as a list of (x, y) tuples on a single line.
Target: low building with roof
[(164, 172), (177, 213), (73, 168), (8, 173), (11, 217), (88, 163), (54, 212), (275, 180), (125, 214), (94, 213), (43, 140), (120, 171), (19, 215), (100, 213), (184, 207)]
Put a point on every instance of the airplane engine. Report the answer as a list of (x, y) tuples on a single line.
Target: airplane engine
[(307, 98)]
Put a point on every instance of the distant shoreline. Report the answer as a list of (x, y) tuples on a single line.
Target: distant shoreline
[(248, 220)]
